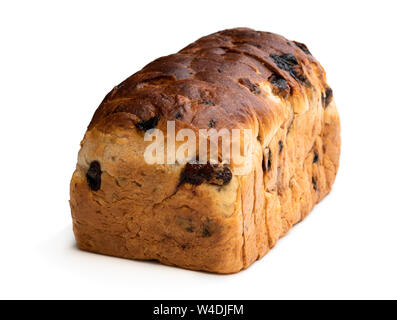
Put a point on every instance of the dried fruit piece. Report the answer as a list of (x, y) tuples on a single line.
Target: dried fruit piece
[(206, 232), (211, 124), (196, 174), (207, 103), (280, 86), (315, 158), (303, 47), (220, 176), (267, 160), (314, 182), (93, 176), (145, 125), (327, 97), (206, 229), (285, 61), (251, 86), (280, 147), (289, 63)]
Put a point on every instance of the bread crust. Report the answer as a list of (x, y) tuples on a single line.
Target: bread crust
[(238, 78)]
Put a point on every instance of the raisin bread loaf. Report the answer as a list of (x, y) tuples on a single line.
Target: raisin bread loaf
[(205, 216)]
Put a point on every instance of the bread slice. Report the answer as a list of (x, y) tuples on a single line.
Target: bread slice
[(205, 217)]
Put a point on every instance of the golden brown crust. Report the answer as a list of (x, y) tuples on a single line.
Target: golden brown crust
[(217, 78), (237, 78)]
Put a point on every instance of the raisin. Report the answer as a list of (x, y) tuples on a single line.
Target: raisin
[(303, 47), (207, 103), (251, 86), (219, 70), (192, 174), (178, 116), (314, 182), (221, 176), (280, 147), (327, 97), (145, 125), (267, 160), (281, 86), (206, 232), (315, 158), (196, 174), (93, 176), (289, 63), (212, 124), (285, 61)]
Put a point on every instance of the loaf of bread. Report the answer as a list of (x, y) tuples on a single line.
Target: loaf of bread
[(205, 216)]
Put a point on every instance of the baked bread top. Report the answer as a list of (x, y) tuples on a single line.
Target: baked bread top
[(233, 79)]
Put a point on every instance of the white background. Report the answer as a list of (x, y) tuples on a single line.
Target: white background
[(58, 59)]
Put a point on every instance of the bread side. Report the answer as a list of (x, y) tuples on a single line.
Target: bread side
[(237, 78)]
